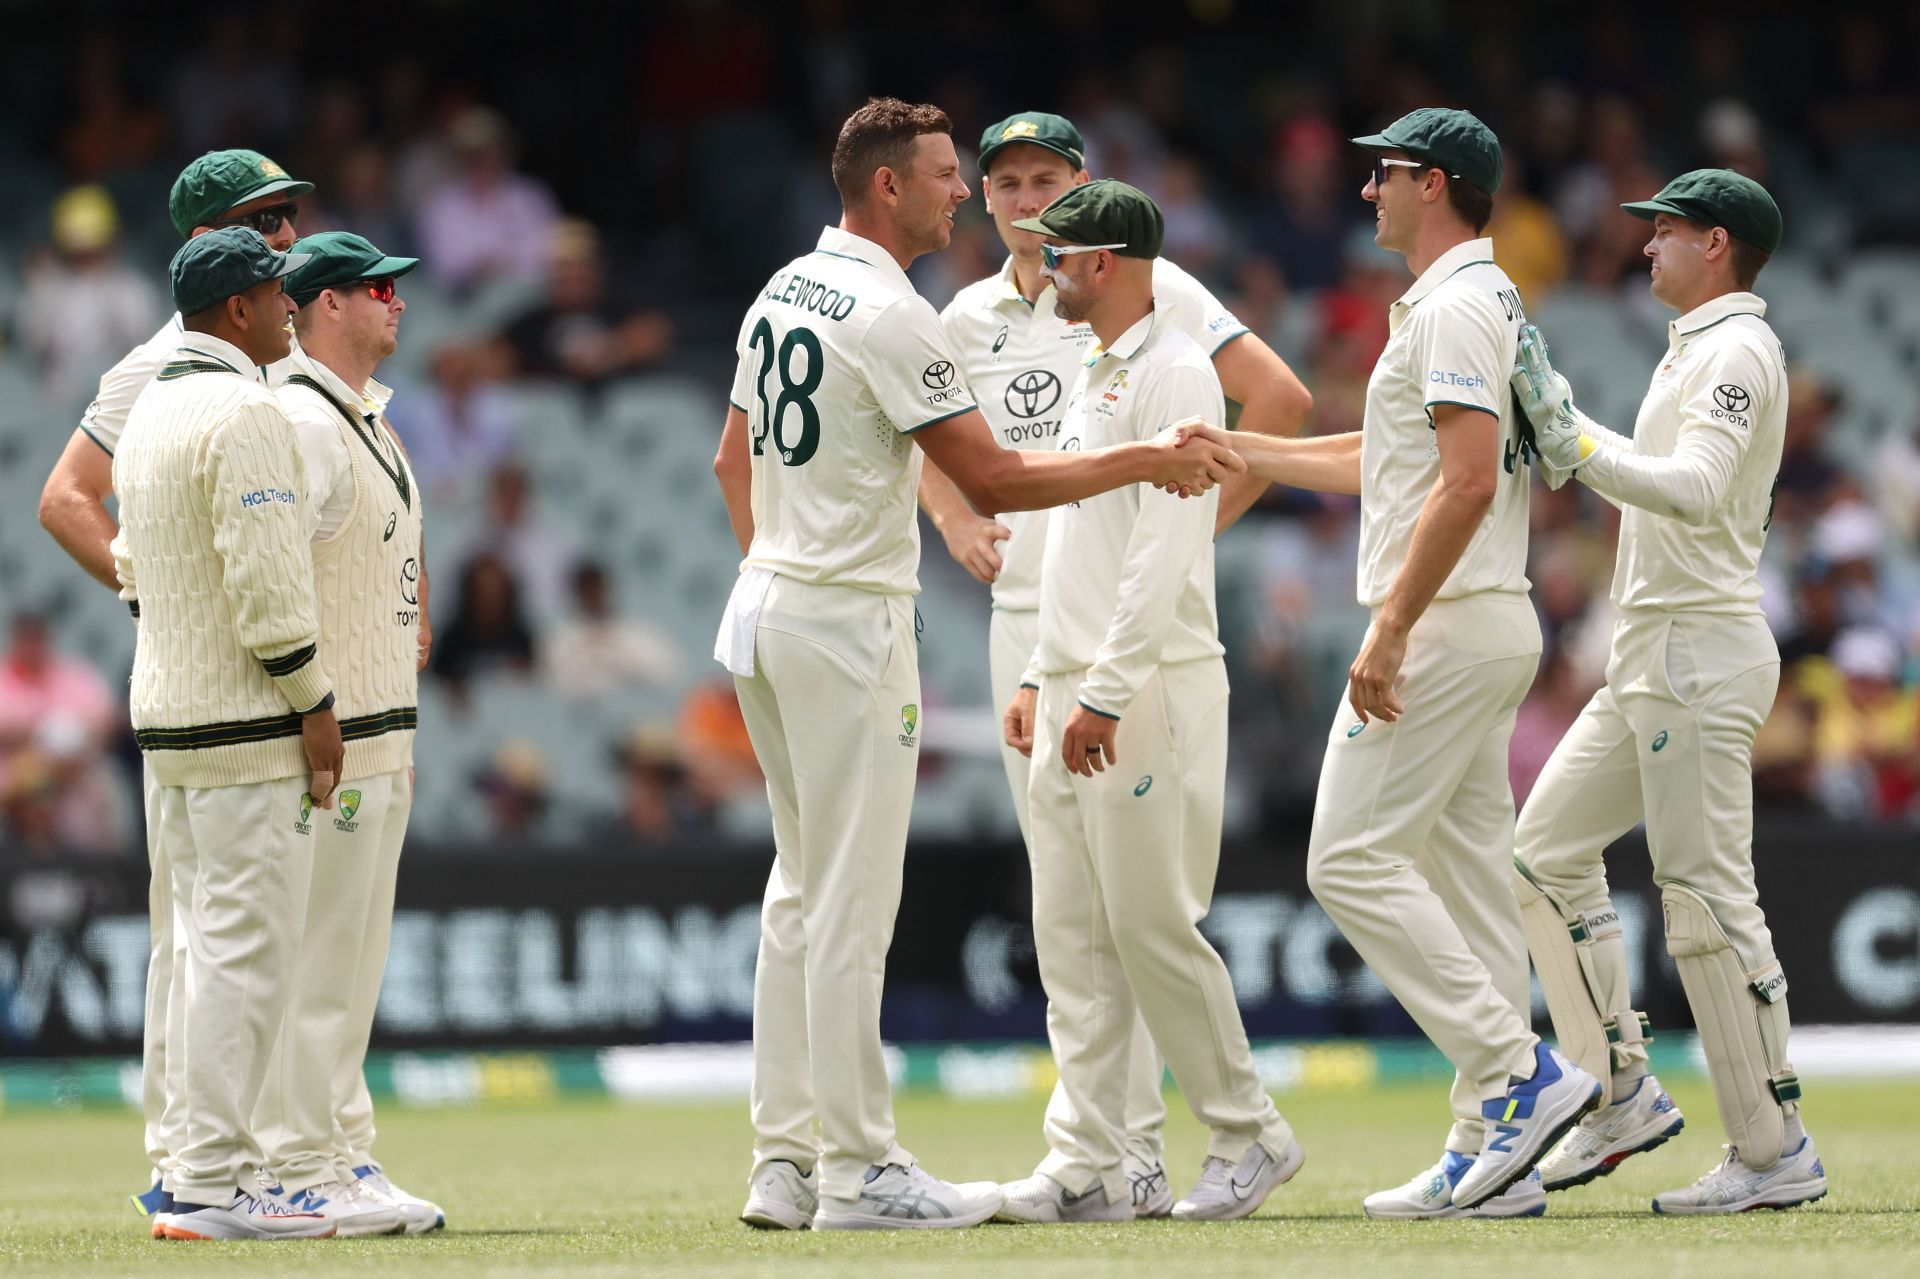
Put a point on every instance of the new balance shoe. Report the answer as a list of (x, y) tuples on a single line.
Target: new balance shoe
[(1229, 1191), (355, 1208), (781, 1198), (1430, 1195), (1797, 1179), (417, 1215), (1152, 1196), (907, 1197), (1605, 1138), (1041, 1199), (1523, 1124), (246, 1216), (155, 1204)]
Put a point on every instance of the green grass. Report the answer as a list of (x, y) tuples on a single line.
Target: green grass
[(601, 1188)]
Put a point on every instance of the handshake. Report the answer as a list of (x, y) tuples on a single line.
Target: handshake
[(1194, 456)]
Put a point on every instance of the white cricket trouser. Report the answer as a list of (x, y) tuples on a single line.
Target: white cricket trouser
[(1012, 637), (314, 1118), (153, 1043), (833, 709), (1123, 872), (241, 860), (1411, 853), (1669, 737)]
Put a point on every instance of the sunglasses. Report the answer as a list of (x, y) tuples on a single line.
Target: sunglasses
[(380, 288), (266, 221), (1050, 254)]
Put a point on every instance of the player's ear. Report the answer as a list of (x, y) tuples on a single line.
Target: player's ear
[(986, 193), (1082, 176)]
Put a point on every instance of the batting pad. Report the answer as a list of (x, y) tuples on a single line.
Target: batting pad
[(1578, 1026), (1742, 1018)]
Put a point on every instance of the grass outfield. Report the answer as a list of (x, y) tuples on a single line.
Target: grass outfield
[(604, 1188)]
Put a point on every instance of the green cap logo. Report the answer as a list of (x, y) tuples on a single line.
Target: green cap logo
[(349, 804), (1660, 742), (910, 717)]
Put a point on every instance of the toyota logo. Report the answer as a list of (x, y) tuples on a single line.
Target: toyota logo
[(1734, 399), (938, 375), (1032, 393)]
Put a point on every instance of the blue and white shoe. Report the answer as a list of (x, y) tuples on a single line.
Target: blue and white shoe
[(1524, 1124), (1606, 1138), (356, 1209), (1798, 1178), (417, 1215), (156, 1205), (1430, 1195)]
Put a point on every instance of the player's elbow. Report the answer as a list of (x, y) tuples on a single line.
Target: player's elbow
[(729, 465), (1295, 402), (987, 482), (56, 500), (1473, 492)]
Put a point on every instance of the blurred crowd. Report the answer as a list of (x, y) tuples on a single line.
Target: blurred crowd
[(600, 219)]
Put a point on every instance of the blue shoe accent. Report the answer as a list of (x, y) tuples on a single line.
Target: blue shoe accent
[(1454, 1166), (148, 1202), (364, 1171)]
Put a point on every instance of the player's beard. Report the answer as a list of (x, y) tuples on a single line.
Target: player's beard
[(1070, 301)]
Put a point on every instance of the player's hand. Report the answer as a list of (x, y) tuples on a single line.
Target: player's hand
[(1087, 743), (1017, 724), (425, 642), (1371, 678), (1192, 464), (973, 541), (1560, 435), (326, 754)]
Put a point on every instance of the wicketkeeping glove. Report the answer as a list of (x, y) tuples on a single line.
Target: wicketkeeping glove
[(1563, 435)]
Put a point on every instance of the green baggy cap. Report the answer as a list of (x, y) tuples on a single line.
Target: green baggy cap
[(213, 267), (1038, 128), (340, 257), (1449, 138), (1104, 211), (1722, 198), (222, 180)]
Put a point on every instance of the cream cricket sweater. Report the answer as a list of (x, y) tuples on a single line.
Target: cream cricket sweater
[(366, 571), (214, 548)]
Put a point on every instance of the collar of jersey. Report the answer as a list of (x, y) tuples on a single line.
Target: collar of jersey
[(1128, 344), (219, 349), (1010, 289), (1710, 313), (845, 244), (1450, 263), (372, 400)]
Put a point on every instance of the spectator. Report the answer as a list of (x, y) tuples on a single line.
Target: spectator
[(577, 331), (597, 652), (1303, 228), (1609, 241), (515, 789), (1527, 240), (1550, 708), (57, 717), (488, 634), (104, 130), (487, 222), (718, 754), (360, 198), (1807, 479), (658, 805), (1196, 234), (84, 308), (461, 425), (534, 555), (1865, 726)]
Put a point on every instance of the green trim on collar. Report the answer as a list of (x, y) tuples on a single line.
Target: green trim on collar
[(848, 256), (1448, 276), (398, 474), (174, 370), (1687, 333)]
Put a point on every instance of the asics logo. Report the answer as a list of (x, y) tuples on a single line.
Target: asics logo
[(913, 1204)]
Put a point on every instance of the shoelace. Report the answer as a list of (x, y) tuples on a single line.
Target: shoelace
[(1214, 1172)]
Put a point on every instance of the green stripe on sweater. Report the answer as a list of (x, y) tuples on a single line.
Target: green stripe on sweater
[(238, 732)]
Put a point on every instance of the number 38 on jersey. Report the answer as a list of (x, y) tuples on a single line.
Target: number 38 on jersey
[(790, 417)]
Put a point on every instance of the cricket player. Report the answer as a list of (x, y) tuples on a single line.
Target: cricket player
[(1125, 702), (1413, 823), (363, 513), (1020, 359), (1670, 736), (232, 709), (221, 188), (843, 369)]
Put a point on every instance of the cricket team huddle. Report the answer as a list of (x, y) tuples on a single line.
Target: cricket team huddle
[(1071, 415)]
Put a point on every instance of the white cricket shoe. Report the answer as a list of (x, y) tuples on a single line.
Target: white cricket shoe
[(1734, 1187), (907, 1197), (1524, 1123), (781, 1198), (1601, 1142), (1229, 1191), (417, 1215), (1152, 1196), (355, 1208), (1041, 1199), (255, 1216), (1430, 1195)]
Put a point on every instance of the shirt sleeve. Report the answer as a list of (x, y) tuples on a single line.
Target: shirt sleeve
[(743, 367), (1193, 308), (1463, 351), (106, 418), (326, 466), (1168, 534), (910, 367), (249, 475), (1691, 483)]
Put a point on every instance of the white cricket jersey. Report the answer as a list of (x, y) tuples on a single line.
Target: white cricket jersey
[(1724, 378), (1021, 359), (105, 419), (1454, 336), (840, 361), (1128, 574), (323, 449)]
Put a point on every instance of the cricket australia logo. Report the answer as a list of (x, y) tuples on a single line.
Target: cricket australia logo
[(1032, 393), (301, 826), (909, 720), (349, 805)]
